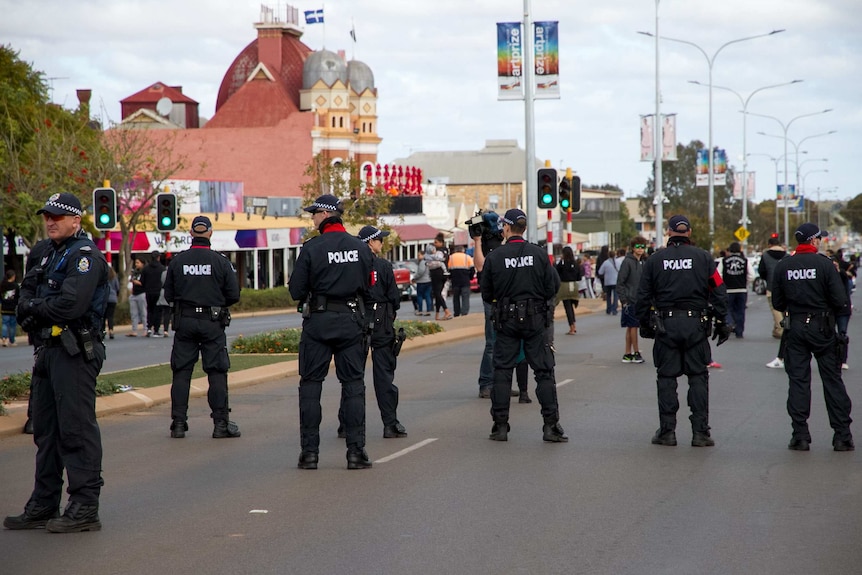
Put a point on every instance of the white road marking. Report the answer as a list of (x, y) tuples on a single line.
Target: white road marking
[(406, 450), (259, 511), (564, 382)]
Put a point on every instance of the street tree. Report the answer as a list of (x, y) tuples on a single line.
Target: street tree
[(343, 180)]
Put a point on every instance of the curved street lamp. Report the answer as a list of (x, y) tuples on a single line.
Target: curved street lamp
[(785, 127), (744, 102), (710, 60)]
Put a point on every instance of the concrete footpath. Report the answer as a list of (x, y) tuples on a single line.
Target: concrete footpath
[(464, 327)]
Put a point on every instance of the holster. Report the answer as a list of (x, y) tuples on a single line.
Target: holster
[(657, 323), (399, 341)]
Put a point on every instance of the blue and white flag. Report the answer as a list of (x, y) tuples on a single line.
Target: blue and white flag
[(314, 16)]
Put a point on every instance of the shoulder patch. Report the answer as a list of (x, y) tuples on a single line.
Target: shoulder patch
[(83, 265)]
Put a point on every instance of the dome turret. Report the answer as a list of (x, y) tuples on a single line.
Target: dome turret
[(323, 65)]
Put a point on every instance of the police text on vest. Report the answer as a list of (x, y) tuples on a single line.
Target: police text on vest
[(343, 257), (807, 274), (677, 264)]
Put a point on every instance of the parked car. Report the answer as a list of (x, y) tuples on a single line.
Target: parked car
[(405, 271)]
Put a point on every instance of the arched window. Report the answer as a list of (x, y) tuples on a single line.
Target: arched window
[(341, 121), (333, 121)]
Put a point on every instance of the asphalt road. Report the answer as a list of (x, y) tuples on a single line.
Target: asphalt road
[(607, 502)]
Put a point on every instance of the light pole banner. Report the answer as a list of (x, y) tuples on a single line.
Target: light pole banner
[(702, 168), (791, 195), (546, 52), (668, 138), (719, 164), (647, 139), (737, 186), (510, 61)]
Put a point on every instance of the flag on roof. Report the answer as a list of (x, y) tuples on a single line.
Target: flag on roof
[(314, 16)]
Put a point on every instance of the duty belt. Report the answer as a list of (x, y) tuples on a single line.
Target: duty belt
[(680, 313), (194, 310)]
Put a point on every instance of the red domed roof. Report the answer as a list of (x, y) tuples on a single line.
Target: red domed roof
[(289, 70)]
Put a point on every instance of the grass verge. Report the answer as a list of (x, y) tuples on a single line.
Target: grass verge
[(161, 374)]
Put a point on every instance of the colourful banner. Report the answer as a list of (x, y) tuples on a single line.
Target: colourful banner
[(510, 61), (737, 186), (719, 165), (546, 53)]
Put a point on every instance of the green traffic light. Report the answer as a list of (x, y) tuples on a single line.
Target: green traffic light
[(166, 221), (105, 219), (546, 198), (564, 203)]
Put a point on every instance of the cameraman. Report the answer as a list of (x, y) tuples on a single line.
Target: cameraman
[(487, 235)]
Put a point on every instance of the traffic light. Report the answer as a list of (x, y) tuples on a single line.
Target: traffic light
[(105, 208), (565, 194), (547, 188), (576, 194), (166, 212)]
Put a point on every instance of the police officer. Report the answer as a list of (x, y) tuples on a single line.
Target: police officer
[(519, 281), (201, 284), (381, 307), (808, 289), (331, 279), (62, 302), (677, 286)]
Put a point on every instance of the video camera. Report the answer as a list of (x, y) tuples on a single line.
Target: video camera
[(488, 226)]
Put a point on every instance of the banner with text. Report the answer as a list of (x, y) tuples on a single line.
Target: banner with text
[(546, 54), (719, 165), (510, 61)]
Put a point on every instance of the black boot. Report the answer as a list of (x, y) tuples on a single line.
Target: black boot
[(307, 460), (701, 439), (179, 428), (28, 427), (357, 458), (35, 516), (223, 428), (664, 437), (499, 432), (396, 430), (76, 518), (553, 433), (524, 397)]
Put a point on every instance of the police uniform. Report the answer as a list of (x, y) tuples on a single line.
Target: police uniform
[(808, 289), (383, 303), (201, 284), (679, 282), (519, 281), (331, 278), (62, 302)]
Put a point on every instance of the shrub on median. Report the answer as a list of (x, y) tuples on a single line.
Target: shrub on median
[(287, 340), (17, 386)]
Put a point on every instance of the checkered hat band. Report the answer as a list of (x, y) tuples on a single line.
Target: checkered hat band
[(508, 221), (66, 207), (327, 207), (372, 236)]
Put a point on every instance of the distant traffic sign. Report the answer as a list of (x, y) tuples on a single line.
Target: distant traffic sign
[(741, 234)]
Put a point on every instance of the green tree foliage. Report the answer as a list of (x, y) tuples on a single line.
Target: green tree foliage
[(852, 213)]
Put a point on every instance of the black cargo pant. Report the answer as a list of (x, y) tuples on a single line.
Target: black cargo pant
[(65, 430), (324, 334), (195, 333), (507, 346), (804, 339), (683, 350), (384, 364)]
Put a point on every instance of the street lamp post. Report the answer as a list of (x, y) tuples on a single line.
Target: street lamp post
[(805, 195), (775, 163), (744, 102), (710, 60), (785, 128), (658, 195)]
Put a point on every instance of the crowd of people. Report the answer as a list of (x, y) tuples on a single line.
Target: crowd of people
[(679, 296)]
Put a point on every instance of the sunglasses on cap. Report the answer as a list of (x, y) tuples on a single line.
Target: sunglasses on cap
[(640, 246), (54, 217)]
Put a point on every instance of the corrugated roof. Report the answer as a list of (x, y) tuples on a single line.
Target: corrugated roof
[(499, 162), (156, 92)]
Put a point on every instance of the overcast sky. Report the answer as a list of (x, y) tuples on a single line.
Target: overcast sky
[(434, 63)]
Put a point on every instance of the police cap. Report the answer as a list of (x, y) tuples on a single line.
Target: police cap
[(62, 204), (369, 233), (807, 232), (326, 202), (679, 224)]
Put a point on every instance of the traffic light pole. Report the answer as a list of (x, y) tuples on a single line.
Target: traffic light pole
[(530, 125)]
